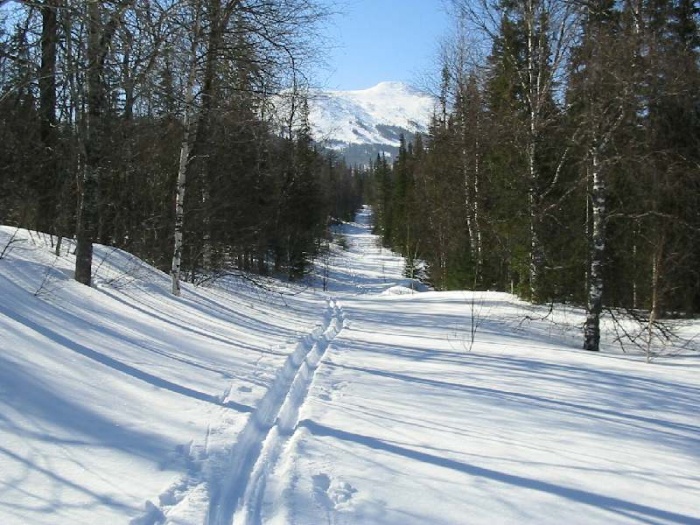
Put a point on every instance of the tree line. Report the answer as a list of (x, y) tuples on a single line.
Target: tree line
[(563, 160), (174, 129)]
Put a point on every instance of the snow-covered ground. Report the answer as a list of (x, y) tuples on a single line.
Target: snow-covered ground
[(364, 404)]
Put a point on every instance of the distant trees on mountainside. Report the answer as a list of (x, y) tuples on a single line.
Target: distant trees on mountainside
[(111, 113), (563, 163)]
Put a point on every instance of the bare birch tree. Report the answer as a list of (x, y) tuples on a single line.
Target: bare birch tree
[(185, 146)]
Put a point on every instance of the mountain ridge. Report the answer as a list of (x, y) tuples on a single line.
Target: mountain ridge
[(359, 124)]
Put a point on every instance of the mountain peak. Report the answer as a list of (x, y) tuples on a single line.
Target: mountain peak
[(390, 85), (375, 116)]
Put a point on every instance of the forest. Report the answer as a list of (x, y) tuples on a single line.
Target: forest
[(174, 129), (563, 161)]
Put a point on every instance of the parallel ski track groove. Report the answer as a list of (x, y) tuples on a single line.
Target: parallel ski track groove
[(239, 496)]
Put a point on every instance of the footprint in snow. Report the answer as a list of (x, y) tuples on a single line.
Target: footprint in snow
[(339, 387), (321, 484), (324, 396), (341, 492), (333, 391), (331, 494)]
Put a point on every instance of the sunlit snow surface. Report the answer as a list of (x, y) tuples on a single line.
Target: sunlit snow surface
[(365, 404)]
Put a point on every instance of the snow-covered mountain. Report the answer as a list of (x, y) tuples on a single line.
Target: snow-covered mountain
[(360, 124)]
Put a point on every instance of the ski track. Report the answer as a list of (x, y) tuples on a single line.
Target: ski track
[(237, 497)]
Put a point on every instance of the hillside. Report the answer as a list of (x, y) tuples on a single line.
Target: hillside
[(364, 404), (360, 124)]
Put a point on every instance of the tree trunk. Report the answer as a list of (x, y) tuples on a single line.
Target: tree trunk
[(597, 252), (184, 159), (47, 184), (180, 196), (470, 180), (475, 205), (655, 279), (99, 37), (218, 18), (534, 95), (88, 213)]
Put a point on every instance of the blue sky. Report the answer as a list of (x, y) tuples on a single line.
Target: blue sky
[(376, 40)]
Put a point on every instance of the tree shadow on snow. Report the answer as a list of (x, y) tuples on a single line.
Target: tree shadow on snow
[(115, 364), (64, 423), (645, 407), (599, 501)]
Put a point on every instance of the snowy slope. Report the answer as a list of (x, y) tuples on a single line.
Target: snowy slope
[(367, 404), (113, 396), (371, 117)]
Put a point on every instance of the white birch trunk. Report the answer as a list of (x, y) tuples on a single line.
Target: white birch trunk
[(535, 248), (179, 204), (206, 234), (534, 95), (471, 197), (475, 205), (595, 289), (184, 160), (468, 200), (654, 311)]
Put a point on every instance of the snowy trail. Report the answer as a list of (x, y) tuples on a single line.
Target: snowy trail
[(407, 424), (239, 495), (230, 405)]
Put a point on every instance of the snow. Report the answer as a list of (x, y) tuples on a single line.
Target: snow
[(375, 402), (353, 117)]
